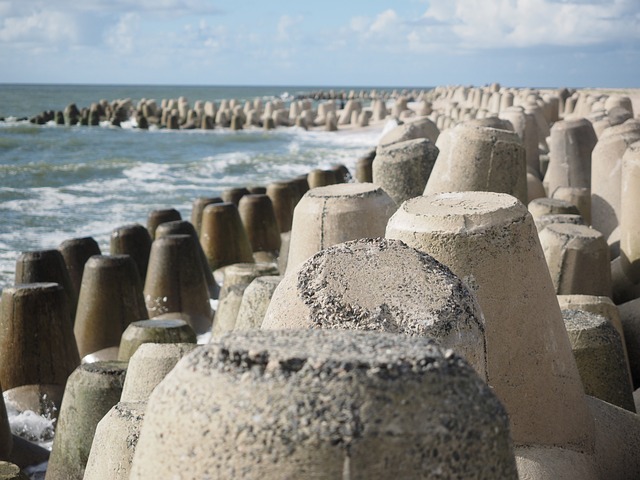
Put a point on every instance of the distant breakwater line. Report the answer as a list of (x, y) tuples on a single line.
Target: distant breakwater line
[(316, 109)]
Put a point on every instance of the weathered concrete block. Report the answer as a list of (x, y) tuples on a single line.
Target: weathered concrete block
[(409, 410), (598, 351), (578, 259), (403, 169), (479, 159), (363, 285), (110, 299), (335, 214), (489, 240)]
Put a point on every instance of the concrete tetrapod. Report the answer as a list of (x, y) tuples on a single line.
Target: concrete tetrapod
[(364, 167), (578, 259), (237, 278), (421, 127), (37, 346), (323, 404), (629, 224), (630, 319), (321, 178), (383, 285), (133, 240), (549, 219), (283, 197), (176, 282), (234, 195), (92, 390), (597, 348), (578, 196), (158, 217), (255, 302), (535, 189), (76, 252), (223, 237), (606, 175), (197, 209), (257, 190), (570, 147), (403, 169), (154, 331), (114, 442), (47, 266), (599, 305), (476, 158), (551, 206), (148, 366), (182, 227), (490, 241), (524, 125), (110, 299), (335, 214), (260, 223)]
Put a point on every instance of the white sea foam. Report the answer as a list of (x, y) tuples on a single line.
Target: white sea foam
[(31, 426), (94, 180)]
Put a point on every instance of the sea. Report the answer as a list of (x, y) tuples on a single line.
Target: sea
[(61, 182)]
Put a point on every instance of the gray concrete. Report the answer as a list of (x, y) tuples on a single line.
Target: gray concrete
[(323, 404)]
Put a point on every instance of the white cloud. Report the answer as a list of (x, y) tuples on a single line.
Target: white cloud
[(359, 24), (526, 23), (50, 27), (121, 37), (384, 22), (285, 24), (212, 38)]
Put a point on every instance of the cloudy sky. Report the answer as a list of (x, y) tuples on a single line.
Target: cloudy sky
[(329, 42)]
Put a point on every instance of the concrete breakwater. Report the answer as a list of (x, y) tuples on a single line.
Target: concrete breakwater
[(456, 310), (306, 110)]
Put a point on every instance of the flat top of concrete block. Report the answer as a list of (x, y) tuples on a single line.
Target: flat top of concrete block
[(332, 352), (157, 324), (108, 261), (412, 147), (485, 132), (346, 190), (580, 299), (570, 123), (579, 320), (420, 292), (465, 211), (104, 368), (250, 269), (163, 350), (24, 289), (573, 231), (38, 255), (554, 202), (268, 279)]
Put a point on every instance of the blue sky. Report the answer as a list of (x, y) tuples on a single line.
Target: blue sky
[(591, 43)]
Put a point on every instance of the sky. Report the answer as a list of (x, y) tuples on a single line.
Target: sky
[(538, 43)]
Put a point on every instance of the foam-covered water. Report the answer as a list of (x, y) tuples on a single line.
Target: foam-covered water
[(60, 182)]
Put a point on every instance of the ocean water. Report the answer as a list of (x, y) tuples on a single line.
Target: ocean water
[(60, 182)]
